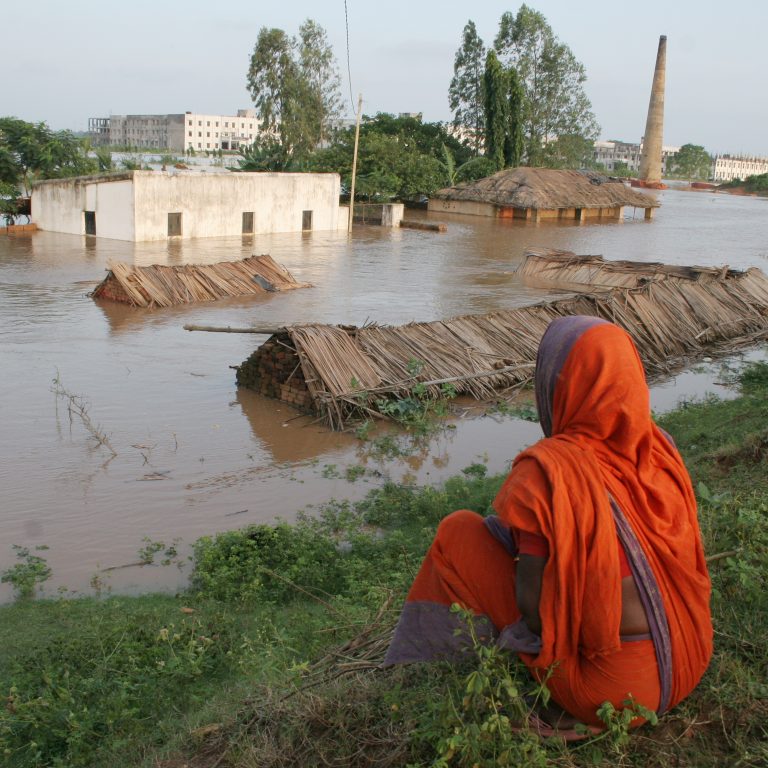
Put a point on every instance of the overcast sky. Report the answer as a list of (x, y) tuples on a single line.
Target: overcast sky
[(67, 61)]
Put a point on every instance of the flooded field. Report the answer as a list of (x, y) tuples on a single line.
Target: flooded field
[(195, 455)]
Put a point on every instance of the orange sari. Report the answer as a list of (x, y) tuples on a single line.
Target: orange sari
[(604, 469)]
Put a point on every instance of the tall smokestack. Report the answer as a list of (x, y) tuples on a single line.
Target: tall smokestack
[(650, 160)]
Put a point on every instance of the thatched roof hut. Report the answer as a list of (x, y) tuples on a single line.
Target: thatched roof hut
[(342, 372), (543, 193), (162, 286)]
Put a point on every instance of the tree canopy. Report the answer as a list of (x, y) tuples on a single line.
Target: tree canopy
[(692, 162), (568, 150), (294, 84), (514, 140), (548, 115), (554, 102), (496, 89), (31, 151), (465, 93), (399, 157)]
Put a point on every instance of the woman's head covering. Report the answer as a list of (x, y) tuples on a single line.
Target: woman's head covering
[(554, 349), (590, 381)]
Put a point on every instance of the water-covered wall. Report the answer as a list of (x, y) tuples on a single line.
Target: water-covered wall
[(61, 205), (213, 204)]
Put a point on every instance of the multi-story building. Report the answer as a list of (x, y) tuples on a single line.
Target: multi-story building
[(178, 133), (730, 167), (609, 153)]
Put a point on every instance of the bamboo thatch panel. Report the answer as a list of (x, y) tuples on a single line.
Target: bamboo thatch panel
[(593, 271), (548, 189), (674, 315), (332, 353), (163, 286)]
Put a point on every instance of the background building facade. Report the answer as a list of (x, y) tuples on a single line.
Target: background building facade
[(178, 133), (730, 167), (609, 153)]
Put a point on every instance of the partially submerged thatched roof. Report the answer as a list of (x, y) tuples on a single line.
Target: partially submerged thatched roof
[(548, 189), (351, 370), (162, 286), (544, 265)]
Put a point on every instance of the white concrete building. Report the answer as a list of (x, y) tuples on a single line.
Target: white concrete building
[(155, 205), (178, 133), (730, 167), (609, 153)]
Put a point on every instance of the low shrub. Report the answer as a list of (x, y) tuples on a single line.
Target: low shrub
[(265, 563)]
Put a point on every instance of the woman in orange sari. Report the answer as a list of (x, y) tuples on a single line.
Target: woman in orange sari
[(593, 571)]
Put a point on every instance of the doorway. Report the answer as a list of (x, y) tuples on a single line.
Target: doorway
[(174, 225)]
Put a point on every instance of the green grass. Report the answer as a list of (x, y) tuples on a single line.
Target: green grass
[(209, 677)]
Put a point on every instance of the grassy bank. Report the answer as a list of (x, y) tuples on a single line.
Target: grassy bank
[(269, 658)]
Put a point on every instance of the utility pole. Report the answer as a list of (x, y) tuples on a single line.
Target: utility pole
[(354, 163)]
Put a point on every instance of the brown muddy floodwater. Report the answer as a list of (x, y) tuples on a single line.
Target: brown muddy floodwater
[(194, 454)]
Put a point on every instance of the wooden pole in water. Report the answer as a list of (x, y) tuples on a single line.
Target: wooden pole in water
[(354, 163), (264, 330)]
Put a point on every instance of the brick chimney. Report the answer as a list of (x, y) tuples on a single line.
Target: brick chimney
[(650, 160)]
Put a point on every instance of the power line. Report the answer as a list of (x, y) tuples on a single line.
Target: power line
[(349, 69)]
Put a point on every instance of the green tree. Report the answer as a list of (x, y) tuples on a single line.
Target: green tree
[(692, 162), (474, 169), (496, 89), (273, 81), (31, 151), (568, 151), (399, 157), (294, 85), (321, 78), (465, 93), (103, 158), (429, 138), (265, 154), (514, 141), (555, 102)]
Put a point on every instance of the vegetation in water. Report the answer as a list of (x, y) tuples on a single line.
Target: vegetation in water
[(243, 669), (26, 574)]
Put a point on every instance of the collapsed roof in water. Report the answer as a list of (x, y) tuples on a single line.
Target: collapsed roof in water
[(164, 286), (674, 314)]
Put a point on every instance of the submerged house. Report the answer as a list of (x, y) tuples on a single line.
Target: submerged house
[(155, 205), (533, 194)]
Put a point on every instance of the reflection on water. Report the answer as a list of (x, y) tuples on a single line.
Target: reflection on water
[(194, 454)]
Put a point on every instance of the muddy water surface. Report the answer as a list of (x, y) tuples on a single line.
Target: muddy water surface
[(194, 454)]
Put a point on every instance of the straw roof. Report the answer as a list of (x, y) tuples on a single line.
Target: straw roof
[(548, 189), (573, 271), (162, 286), (672, 321)]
